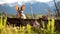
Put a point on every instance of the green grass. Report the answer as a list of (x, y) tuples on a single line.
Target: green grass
[(4, 29)]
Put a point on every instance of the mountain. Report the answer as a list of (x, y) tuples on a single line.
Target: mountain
[(58, 4), (37, 8), (7, 9), (53, 8)]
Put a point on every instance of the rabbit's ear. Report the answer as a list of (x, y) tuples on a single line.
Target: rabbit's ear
[(16, 7), (23, 7)]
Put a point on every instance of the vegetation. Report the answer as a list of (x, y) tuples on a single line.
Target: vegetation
[(4, 29)]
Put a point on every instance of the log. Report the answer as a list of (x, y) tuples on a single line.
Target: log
[(24, 22)]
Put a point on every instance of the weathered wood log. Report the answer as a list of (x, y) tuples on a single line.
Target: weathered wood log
[(24, 22)]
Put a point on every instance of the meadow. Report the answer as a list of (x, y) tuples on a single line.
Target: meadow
[(4, 29)]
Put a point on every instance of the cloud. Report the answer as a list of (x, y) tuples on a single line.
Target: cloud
[(1, 2), (20, 1), (43, 0), (13, 1)]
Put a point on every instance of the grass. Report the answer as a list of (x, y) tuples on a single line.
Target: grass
[(4, 29)]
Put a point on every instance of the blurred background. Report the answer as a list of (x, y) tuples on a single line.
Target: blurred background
[(33, 7)]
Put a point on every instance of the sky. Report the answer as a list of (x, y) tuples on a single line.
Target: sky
[(20, 1)]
